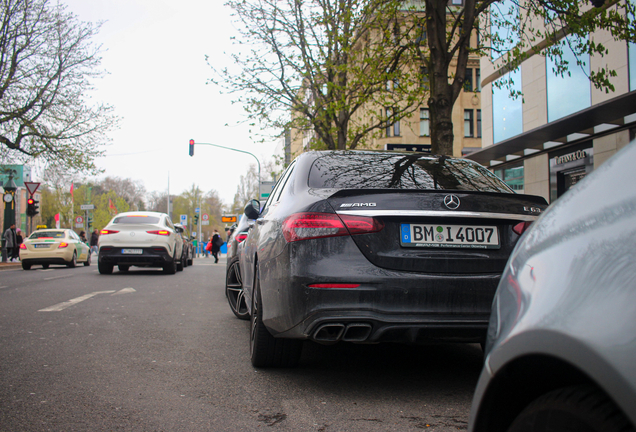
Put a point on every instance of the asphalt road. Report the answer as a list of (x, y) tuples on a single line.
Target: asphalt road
[(144, 351)]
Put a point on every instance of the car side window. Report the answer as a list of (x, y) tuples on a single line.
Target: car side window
[(74, 235), (285, 181), (278, 187)]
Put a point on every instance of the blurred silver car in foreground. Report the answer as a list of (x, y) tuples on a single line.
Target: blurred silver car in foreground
[(561, 348)]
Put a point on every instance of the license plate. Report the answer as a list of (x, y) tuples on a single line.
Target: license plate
[(132, 251), (41, 246), (449, 236)]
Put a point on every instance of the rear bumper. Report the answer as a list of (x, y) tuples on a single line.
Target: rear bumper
[(150, 256), (388, 305), (52, 260)]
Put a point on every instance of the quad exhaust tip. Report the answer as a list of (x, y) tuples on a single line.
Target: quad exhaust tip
[(334, 332)]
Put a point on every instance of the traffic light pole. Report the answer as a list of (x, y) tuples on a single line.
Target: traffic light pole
[(192, 143)]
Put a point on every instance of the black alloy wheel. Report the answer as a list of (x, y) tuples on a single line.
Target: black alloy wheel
[(73, 262), (572, 409), (234, 291), (265, 349), (104, 268)]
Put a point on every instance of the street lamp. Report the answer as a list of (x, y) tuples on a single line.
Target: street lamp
[(9, 207)]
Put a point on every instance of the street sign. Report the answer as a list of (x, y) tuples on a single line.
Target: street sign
[(184, 220), (197, 210), (79, 219), (228, 219), (266, 189), (205, 222), (87, 207), (31, 187), (205, 217)]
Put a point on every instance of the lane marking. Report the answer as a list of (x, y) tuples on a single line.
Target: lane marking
[(125, 291), (61, 306), (4, 286), (58, 277)]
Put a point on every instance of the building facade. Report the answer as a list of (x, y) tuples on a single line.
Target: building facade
[(562, 128)]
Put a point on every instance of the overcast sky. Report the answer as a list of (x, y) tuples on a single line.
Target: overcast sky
[(154, 53)]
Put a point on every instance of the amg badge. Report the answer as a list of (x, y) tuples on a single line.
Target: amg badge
[(357, 205)]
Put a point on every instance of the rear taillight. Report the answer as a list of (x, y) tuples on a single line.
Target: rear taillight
[(159, 232), (62, 245), (304, 226), (22, 246), (240, 237), (105, 232), (521, 227)]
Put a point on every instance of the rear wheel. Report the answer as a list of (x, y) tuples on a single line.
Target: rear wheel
[(73, 262), (123, 268), (170, 268), (26, 266), (234, 291), (104, 268), (180, 264), (265, 349), (88, 260), (572, 409)]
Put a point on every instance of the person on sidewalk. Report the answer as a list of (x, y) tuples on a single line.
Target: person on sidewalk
[(94, 240), (18, 241), (217, 242), (10, 241)]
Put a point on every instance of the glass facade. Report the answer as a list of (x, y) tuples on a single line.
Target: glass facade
[(507, 110), (500, 12), (572, 92), (632, 66)]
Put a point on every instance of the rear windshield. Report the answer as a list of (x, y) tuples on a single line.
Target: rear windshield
[(136, 220), (47, 234), (352, 170)]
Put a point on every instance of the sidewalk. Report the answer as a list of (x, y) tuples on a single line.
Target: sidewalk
[(10, 265)]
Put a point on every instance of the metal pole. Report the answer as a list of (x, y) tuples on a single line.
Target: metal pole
[(200, 242)]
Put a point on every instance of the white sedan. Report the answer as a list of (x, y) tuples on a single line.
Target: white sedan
[(142, 239)]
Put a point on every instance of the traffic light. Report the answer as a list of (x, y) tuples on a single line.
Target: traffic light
[(196, 219), (89, 221), (32, 207), (191, 147)]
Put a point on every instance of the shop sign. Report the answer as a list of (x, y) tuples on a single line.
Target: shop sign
[(577, 155)]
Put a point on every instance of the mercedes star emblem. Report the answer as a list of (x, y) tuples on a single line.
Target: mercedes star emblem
[(451, 202)]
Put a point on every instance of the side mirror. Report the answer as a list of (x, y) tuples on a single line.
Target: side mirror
[(252, 209)]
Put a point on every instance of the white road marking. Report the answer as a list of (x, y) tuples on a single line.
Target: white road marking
[(58, 277), (125, 291), (61, 306), (4, 286)]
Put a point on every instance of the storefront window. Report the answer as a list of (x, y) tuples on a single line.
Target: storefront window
[(506, 109), (568, 167), (572, 92), (512, 176)]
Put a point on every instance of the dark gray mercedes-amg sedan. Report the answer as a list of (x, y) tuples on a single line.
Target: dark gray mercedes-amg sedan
[(368, 247)]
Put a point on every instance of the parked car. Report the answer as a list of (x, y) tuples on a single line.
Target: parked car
[(233, 281), (142, 239), (188, 247), (370, 247), (54, 246), (562, 338)]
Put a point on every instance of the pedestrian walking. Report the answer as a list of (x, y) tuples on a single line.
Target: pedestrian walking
[(10, 241), (18, 241), (94, 240), (217, 242), (82, 236)]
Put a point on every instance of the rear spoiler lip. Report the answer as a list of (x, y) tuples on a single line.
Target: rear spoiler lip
[(521, 197), (434, 213)]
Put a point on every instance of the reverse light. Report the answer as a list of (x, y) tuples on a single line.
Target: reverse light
[(62, 245), (334, 285), (304, 226), (521, 227), (159, 232), (105, 232)]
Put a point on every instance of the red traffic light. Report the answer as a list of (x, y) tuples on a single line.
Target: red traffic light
[(191, 147), (30, 201)]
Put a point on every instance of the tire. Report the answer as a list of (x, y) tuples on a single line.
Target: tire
[(180, 264), (104, 268), (73, 262), (123, 267), (265, 349), (45, 266), (571, 409), (190, 261), (170, 268), (234, 291), (26, 266), (88, 260)]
